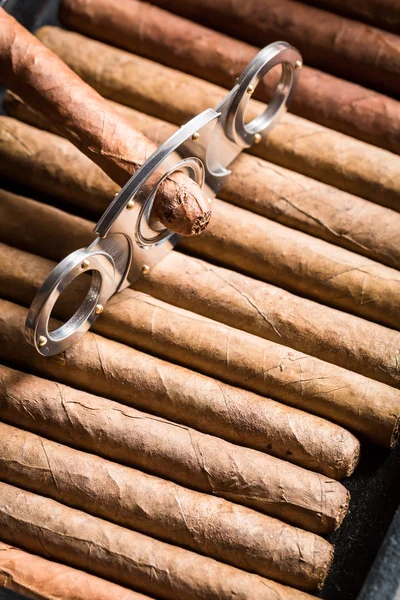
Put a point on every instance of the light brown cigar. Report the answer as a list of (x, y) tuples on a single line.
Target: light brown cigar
[(39, 76), (245, 304), (380, 13), (236, 237), (184, 45), (326, 40), (156, 327), (207, 463), (278, 194), (224, 531), (47, 527), (168, 94), (42, 579)]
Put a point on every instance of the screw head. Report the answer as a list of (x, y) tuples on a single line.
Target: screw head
[(85, 264), (130, 205), (99, 309), (195, 136), (42, 341), (250, 89), (145, 269), (257, 138), (298, 65)]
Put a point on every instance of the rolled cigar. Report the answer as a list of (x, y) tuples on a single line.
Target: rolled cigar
[(44, 526), (243, 303), (39, 76), (240, 239), (184, 45), (384, 14), (43, 579), (163, 510), (156, 327), (294, 143), (203, 462), (325, 40), (276, 193)]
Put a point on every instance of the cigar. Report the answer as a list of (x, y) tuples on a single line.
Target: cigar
[(184, 45), (241, 302), (294, 143), (326, 40), (37, 75), (143, 322), (163, 510), (276, 193), (240, 239), (43, 579), (44, 526), (384, 14), (203, 462)]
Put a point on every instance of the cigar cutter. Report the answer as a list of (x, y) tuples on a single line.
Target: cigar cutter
[(129, 243)]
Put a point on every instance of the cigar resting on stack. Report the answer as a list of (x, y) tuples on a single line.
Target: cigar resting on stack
[(84, 117), (240, 239), (273, 192), (187, 46), (368, 407), (294, 143), (208, 525), (380, 13), (42, 579), (124, 556), (326, 40)]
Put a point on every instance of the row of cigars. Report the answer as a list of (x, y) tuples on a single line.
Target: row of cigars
[(203, 484)]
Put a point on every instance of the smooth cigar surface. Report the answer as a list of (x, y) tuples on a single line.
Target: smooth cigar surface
[(163, 510), (242, 303), (207, 463), (325, 40), (187, 46), (43, 579), (41, 525), (294, 143), (279, 194), (140, 321), (78, 112)]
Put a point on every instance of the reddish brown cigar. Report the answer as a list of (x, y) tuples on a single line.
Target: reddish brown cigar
[(44, 526), (42, 579), (327, 41), (176, 42), (379, 13), (79, 113), (161, 509)]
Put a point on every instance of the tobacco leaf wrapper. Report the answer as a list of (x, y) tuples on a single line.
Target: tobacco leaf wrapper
[(277, 193), (356, 402), (39, 76), (62, 533), (294, 143), (206, 463), (187, 46), (42, 579), (240, 239), (379, 13), (160, 329), (211, 526), (326, 40)]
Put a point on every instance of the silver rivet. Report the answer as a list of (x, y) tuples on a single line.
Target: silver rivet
[(85, 264), (250, 89), (99, 309), (130, 205), (145, 269), (195, 136), (257, 138), (115, 195), (298, 65), (42, 341)]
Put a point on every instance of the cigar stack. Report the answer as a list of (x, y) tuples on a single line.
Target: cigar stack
[(194, 442)]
